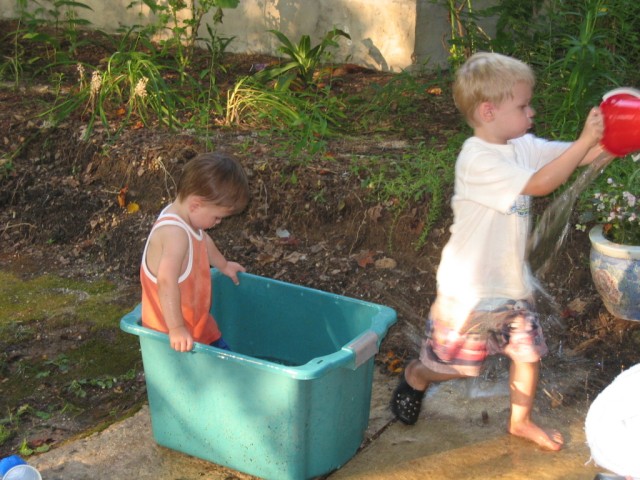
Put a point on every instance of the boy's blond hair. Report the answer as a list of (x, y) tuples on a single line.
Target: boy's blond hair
[(488, 77)]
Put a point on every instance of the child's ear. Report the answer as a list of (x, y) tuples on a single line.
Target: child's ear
[(194, 203), (486, 112)]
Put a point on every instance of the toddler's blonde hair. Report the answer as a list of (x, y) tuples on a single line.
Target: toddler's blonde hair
[(488, 77)]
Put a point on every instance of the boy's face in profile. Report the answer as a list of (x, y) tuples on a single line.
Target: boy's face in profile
[(513, 117), (204, 215)]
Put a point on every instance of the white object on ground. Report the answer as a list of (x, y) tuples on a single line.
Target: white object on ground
[(612, 425), (22, 472)]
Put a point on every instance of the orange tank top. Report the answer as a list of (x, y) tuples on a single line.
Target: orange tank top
[(194, 284)]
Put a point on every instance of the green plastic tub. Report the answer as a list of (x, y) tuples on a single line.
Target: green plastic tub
[(292, 399)]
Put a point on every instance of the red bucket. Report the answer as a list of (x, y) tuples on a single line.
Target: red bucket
[(621, 110)]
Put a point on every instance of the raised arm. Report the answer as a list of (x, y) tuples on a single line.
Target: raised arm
[(581, 152)]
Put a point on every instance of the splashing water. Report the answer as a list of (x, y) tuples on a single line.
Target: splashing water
[(550, 232)]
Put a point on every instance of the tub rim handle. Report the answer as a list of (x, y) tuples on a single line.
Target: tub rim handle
[(363, 348)]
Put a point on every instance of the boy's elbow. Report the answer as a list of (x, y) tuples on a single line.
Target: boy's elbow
[(166, 284), (540, 187), (535, 190)]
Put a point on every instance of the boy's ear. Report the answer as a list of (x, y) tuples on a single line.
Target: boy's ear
[(194, 203), (486, 112)]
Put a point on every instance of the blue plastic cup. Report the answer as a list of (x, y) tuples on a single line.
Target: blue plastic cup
[(22, 472), (8, 463)]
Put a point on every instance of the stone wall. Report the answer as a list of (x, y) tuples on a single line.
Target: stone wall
[(387, 35)]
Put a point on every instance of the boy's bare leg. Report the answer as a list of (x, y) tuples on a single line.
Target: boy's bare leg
[(523, 381), (420, 377)]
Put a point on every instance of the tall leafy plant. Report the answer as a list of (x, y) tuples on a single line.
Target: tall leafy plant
[(466, 35), (63, 38), (302, 59), (183, 18), (305, 117), (586, 67), (132, 84)]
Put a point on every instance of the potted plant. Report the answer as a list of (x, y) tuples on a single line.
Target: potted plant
[(612, 210)]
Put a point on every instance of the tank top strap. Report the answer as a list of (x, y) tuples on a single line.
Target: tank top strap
[(165, 219)]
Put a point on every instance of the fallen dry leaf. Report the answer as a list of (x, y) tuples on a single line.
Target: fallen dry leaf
[(555, 397), (375, 213), (294, 257), (365, 258), (257, 242), (122, 197), (265, 258), (386, 262), (291, 241), (578, 305), (395, 365)]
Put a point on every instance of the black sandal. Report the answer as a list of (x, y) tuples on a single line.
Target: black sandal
[(406, 403)]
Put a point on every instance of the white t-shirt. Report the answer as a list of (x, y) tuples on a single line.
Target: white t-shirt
[(485, 256)]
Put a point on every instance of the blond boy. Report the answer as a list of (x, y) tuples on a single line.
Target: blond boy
[(484, 302)]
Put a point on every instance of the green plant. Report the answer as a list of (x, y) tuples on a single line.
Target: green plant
[(422, 176), (131, 84), (216, 46), (303, 59), (614, 202), (521, 29), (250, 102), (26, 451), (184, 28), (67, 22), (103, 382), (466, 34), (392, 105), (61, 362), (5, 434), (307, 117), (585, 68), (209, 97), (54, 24), (9, 424), (6, 167), (27, 31), (12, 66)]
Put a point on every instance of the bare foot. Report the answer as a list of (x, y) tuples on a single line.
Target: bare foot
[(551, 440)]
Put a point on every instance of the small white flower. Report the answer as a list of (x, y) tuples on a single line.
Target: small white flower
[(80, 69), (96, 83), (631, 199), (141, 88)]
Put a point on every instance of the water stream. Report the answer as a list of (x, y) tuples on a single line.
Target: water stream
[(550, 232)]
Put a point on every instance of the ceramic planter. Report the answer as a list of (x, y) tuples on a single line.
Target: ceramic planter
[(615, 270)]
